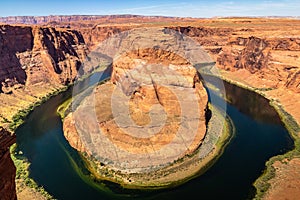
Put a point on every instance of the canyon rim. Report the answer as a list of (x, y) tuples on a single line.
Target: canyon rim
[(260, 54)]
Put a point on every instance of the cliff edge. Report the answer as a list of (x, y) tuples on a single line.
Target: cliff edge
[(7, 168)]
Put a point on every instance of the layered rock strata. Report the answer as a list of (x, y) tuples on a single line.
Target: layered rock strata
[(7, 168), (141, 121), (260, 53), (34, 62), (271, 58)]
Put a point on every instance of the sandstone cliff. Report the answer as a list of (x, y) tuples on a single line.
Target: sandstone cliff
[(271, 52), (272, 58), (143, 116), (263, 55), (35, 61), (95, 35), (7, 168)]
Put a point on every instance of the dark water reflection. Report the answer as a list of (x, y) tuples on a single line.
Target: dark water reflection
[(259, 136), (256, 106), (248, 102)]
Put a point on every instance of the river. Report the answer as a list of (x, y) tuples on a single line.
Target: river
[(259, 135)]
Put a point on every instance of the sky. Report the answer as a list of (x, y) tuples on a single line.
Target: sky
[(191, 8)]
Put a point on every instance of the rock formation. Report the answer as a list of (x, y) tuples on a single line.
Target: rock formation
[(7, 168), (273, 59), (266, 58), (142, 99), (95, 35), (143, 116), (263, 57), (35, 61)]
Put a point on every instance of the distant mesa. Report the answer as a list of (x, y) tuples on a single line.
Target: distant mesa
[(52, 19)]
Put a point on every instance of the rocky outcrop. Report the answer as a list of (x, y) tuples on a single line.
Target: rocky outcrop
[(142, 116), (263, 55), (7, 168), (254, 57), (294, 80), (97, 34), (207, 37), (36, 61), (31, 55), (274, 59), (267, 58), (233, 48), (12, 41), (60, 50)]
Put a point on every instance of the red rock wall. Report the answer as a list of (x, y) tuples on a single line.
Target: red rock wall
[(31, 55), (7, 168), (270, 57)]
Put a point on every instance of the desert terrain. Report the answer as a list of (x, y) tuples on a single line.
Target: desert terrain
[(41, 57)]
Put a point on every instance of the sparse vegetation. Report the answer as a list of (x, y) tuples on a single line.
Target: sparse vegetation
[(171, 174), (20, 117), (290, 123), (21, 162), (62, 109), (22, 172), (262, 183), (65, 108)]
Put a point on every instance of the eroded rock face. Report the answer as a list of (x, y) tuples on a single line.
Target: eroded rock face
[(265, 57), (149, 115), (266, 54), (155, 114), (273, 60), (254, 57), (12, 41), (35, 61), (93, 36), (32, 55), (7, 168)]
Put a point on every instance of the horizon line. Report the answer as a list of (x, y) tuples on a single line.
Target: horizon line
[(166, 16)]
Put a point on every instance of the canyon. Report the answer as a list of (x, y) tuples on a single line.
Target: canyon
[(261, 54), (7, 168), (159, 87), (35, 61)]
